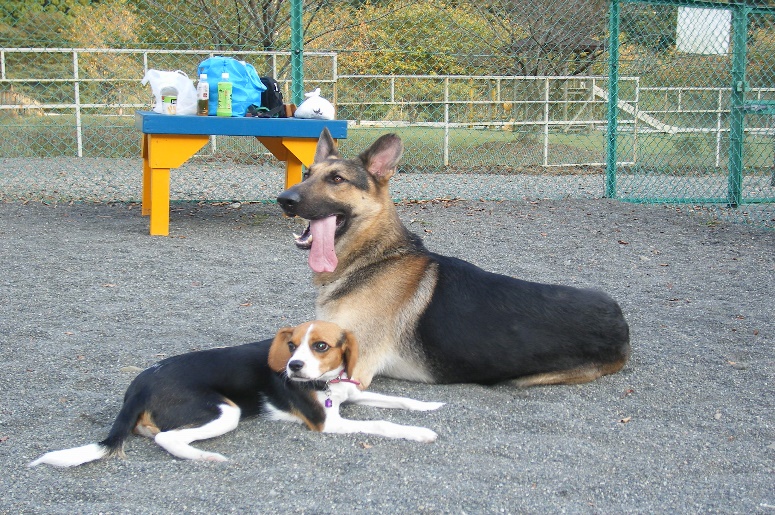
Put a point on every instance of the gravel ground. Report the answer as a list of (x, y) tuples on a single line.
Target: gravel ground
[(118, 180), (686, 427), (107, 180)]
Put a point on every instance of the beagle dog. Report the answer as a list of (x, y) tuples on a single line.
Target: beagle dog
[(302, 375)]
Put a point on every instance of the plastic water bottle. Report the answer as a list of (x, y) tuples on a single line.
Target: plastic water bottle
[(203, 96), (169, 99), (224, 96)]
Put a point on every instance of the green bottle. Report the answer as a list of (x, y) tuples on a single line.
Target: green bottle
[(224, 96)]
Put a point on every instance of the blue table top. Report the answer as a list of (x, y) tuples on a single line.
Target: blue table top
[(149, 122)]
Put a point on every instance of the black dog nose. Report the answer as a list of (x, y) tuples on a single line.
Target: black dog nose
[(288, 200), (295, 365)]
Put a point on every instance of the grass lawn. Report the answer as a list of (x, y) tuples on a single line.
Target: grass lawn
[(467, 148)]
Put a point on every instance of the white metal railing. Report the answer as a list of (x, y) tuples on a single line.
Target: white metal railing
[(717, 111), (640, 120), (543, 99), (582, 105), (10, 101)]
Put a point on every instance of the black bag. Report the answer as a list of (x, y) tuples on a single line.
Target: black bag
[(272, 99)]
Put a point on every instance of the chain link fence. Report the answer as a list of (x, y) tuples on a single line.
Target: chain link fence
[(640, 100), (702, 132)]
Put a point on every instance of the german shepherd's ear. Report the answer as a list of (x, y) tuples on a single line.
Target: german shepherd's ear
[(382, 157), (326, 148), (279, 353), (350, 352)]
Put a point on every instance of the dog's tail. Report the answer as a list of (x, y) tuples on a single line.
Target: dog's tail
[(74, 456), (114, 444)]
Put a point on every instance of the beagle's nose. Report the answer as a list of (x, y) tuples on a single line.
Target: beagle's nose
[(296, 365)]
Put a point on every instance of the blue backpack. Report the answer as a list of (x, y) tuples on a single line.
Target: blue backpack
[(246, 84)]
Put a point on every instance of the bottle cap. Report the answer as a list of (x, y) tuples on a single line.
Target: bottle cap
[(202, 76), (225, 75)]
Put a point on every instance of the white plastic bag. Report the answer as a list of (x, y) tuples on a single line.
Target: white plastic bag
[(179, 80), (315, 107)]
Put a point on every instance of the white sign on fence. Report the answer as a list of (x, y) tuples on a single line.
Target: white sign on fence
[(703, 31)]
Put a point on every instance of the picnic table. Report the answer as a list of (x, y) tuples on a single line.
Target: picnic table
[(169, 141)]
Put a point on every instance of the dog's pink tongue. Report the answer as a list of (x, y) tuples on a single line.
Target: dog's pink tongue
[(322, 256)]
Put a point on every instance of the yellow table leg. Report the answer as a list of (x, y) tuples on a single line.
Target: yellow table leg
[(275, 146), (278, 150), (164, 151), (292, 171), (146, 210), (300, 151), (302, 148), (161, 152), (160, 201), (295, 152)]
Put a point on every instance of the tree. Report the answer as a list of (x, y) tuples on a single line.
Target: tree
[(651, 26), (548, 37), (94, 26), (403, 37), (25, 23), (220, 24)]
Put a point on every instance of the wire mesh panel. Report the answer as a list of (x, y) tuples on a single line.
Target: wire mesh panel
[(519, 89), (703, 68)]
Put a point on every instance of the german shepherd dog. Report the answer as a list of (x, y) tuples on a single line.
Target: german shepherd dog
[(426, 317)]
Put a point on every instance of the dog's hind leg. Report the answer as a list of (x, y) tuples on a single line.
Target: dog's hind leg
[(176, 441), (573, 376)]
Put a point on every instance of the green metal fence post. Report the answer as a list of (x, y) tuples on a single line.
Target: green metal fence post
[(613, 99), (736, 112), (297, 53)]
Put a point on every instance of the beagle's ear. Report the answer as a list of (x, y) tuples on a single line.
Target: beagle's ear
[(350, 353), (279, 353)]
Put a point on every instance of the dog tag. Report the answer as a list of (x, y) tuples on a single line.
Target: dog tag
[(329, 403)]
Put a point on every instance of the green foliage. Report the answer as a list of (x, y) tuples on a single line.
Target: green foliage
[(35, 27), (63, 6), (761, 69), (59, 23), (97, 25), (546, 37), (650, 25), (14, 10), (399, 37), (213, 24)]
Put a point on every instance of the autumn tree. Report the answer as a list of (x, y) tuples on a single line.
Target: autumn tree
[(403, 37), (220, 24), (548, 37), (94, 26)]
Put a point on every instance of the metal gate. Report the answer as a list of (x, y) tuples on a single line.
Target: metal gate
[(700, 128)]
